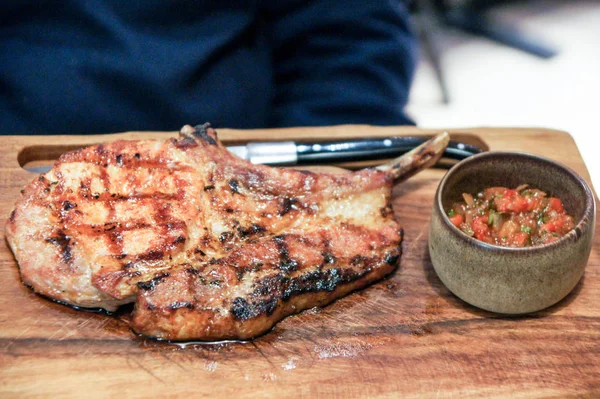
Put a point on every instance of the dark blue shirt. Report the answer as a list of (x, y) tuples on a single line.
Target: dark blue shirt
[(103, 66)]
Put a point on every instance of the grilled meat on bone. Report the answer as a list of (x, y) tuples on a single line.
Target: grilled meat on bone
[(207, 245)]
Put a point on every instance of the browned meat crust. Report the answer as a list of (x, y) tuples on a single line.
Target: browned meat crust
[(207, 245)]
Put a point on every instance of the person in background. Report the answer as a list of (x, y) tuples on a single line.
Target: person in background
[(101, 66)]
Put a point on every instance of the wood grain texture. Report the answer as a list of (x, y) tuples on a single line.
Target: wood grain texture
[(406, 336)]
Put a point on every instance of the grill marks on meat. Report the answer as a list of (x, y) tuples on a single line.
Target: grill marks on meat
[(207, 245)]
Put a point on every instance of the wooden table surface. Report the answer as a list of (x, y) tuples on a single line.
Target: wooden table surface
[(406, 336)]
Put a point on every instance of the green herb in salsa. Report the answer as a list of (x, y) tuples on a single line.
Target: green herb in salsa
[(512, 217)]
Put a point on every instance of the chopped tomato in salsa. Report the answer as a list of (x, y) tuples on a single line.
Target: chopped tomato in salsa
[(512, 217)]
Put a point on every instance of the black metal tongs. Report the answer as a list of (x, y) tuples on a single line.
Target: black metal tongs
[(330, 152)]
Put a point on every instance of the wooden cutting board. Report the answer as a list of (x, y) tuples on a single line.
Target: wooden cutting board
[(407, 336)]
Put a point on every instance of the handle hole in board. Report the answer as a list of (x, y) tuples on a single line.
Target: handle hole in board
[(41, 158)]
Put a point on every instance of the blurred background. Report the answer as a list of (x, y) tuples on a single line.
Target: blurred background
[(529, 63)]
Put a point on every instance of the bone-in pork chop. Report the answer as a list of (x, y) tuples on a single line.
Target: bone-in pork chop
[(207, 245)]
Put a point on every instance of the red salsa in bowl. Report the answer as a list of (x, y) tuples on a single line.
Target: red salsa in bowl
[(507, 217)]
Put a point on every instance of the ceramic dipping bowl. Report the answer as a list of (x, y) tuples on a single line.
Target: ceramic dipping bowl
[(511, 280)]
